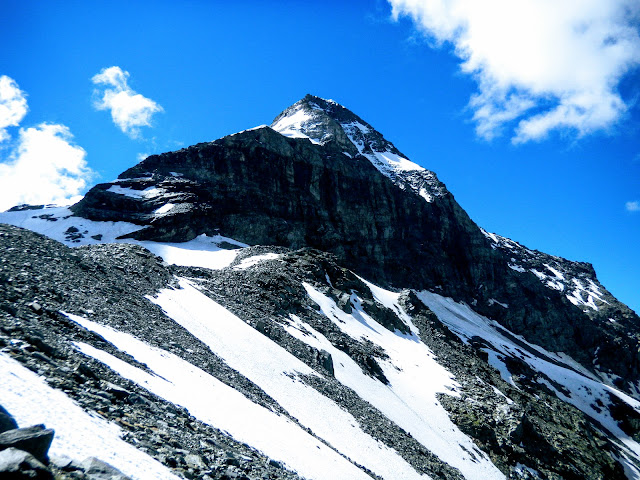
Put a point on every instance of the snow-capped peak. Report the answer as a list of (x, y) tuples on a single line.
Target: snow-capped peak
[(322, 121)]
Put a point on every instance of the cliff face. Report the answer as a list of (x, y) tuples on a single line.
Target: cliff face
[(329, 181), (263, 188)]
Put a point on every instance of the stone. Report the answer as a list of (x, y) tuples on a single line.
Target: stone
[(36, 440), (194, 461), (17, 464), (117, 391), (7, 422), (96, 469)]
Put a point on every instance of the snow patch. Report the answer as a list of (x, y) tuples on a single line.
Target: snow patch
[(202, 251), (295, 124), (493, 301), (164, 209), (408, 400), (78, 434), (149, 192), (256, 259)]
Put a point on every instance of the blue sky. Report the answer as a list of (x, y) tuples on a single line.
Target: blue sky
[(536, 136)]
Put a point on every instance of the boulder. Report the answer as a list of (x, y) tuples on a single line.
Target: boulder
[(6, 421), (96, 469), (18, 465), (36, 440)]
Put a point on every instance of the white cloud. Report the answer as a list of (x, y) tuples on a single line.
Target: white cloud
[(632, 206), (13, 105), (540, 65), (129, 110), (45, 167)]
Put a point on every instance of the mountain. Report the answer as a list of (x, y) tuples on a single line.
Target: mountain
[(301, 299)]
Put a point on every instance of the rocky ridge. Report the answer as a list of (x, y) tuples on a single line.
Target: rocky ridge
[(520, 348), (520, 424)]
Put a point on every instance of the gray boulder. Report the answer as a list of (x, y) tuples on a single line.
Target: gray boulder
[(36, 440), (6, 421), (96, 469), (18, 465)]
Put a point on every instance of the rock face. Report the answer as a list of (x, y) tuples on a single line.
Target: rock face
[(322, 177), (310, 280)]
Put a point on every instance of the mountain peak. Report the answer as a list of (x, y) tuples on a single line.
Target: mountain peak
[(318, 120), (322, 121)]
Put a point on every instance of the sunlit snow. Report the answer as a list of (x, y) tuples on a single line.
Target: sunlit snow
[(277, 372), (149, 192), (414, 375), (585, 391), (202, 251), (164, 209), (294, 125), (78, 434), (255, 260), (219, 405)]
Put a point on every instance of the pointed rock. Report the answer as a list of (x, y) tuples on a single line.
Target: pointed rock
[(36, 440)]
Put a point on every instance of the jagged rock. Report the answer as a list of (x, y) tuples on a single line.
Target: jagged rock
[(17, 464), (194, 461), (96, 469), (7, 422), (36, 440)]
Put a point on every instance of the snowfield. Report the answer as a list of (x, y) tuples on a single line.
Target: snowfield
[(219, 405), (54, 222), (278, 372), (585, 391), (414, 379)]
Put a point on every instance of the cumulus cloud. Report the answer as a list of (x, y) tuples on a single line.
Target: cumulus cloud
[(632, 206), (45, 167), (129, 110), (13, 105), (540, 65)]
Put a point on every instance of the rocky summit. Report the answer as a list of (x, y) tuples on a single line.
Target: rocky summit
[(301, 300)]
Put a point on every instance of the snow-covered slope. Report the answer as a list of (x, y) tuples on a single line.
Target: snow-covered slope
[(577, 281), (218, 359), (60, 224), (407, 392), (564, 377)]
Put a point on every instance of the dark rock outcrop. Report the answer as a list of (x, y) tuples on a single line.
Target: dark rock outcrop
[(36, 440), (7, 422)]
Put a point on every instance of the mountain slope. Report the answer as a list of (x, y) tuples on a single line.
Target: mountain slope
[(335, 184), (296, 334), (462, 355)]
